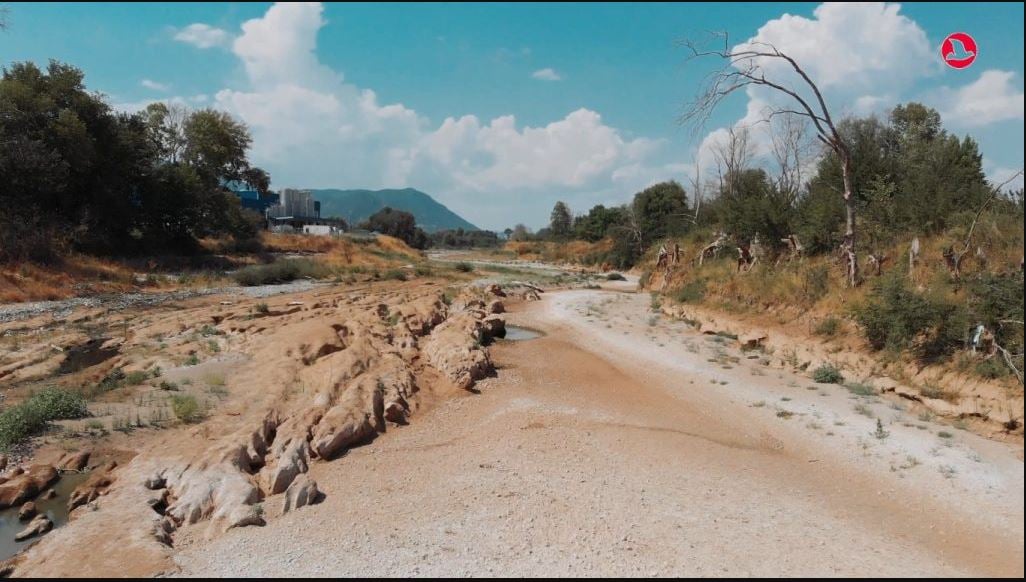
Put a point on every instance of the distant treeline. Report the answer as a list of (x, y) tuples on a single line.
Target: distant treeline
[(75, 174), (912, 177)]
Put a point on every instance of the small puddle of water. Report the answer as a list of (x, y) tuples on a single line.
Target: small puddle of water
[(85, 355), (56, 509), (516, 334)]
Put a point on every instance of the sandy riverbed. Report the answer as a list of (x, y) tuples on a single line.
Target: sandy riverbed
[(624, 444)]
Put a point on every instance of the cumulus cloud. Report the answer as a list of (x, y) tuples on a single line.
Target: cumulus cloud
[(313, 129), (202, 36), (860, 55), (546, 74), (153, 85), (991, 98)]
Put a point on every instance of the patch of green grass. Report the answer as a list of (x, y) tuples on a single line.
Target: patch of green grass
[(29, 418), (827, 374), (828, 328), (281, 271), (464, 267), (394, 275), (186, 408), (136, 377), (691, 292), (860, 389)]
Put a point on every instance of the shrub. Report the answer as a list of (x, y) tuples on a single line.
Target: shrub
[(644, 279), (281, 271), (691, 292), (112, 381), (136, 377), (464, 267), (898, 318), (939, 393), (860, 389), (828, 327), (827, 374), (395, 275), (992, 369), (31, 416), (815, 282), (186, 408), (615, 277)]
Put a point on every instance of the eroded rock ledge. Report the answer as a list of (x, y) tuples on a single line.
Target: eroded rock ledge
[(346, 368)]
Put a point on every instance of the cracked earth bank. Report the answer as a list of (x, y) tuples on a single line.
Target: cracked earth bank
[(612, 446), (617, 444)]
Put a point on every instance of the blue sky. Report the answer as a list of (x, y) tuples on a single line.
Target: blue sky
[(500, 110)]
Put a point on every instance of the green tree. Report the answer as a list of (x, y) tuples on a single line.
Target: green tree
[(661, 211), (560, 221), (77, 174), (216, 144), (597, 224), (399, 224), (753, 205)]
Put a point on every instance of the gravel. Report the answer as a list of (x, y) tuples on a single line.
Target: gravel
[(118, 301)]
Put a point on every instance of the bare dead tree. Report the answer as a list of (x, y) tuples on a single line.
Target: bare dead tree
[(697, 188), (733, 157), (743, 68), (791, 149), (712, 249), (952, 257), (913, 257)]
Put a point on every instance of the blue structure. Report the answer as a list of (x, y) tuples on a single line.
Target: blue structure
[(251, 199)]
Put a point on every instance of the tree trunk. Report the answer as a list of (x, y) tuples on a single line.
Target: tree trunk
[(848, 246)]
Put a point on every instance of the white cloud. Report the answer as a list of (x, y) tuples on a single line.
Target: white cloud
[(860, 55), (991, 98), (202, 36), (153, 85), (312, 129), (546, 74), (997, 175)]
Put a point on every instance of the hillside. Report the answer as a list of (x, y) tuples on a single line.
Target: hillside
[(358, 205)]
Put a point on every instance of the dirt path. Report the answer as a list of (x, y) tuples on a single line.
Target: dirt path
[(622, 444)]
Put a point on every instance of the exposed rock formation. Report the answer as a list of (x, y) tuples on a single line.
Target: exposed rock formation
[(27, 485), (73, 461), (27, 511), (97, 484), (357, 370), (324, 376), (302, 492), (38, 526)]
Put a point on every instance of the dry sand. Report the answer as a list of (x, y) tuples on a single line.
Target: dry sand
[(623, 444)]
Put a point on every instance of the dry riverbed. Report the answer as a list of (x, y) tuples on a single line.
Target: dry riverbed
[(623, 443)]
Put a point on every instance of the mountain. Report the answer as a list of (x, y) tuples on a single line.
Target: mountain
[(357, 205)]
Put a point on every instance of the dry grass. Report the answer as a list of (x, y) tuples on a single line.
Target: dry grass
[(31, 282), (573, 252), (81, 274)]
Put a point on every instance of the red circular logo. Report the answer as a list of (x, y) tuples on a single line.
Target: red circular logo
[(959, 50)]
